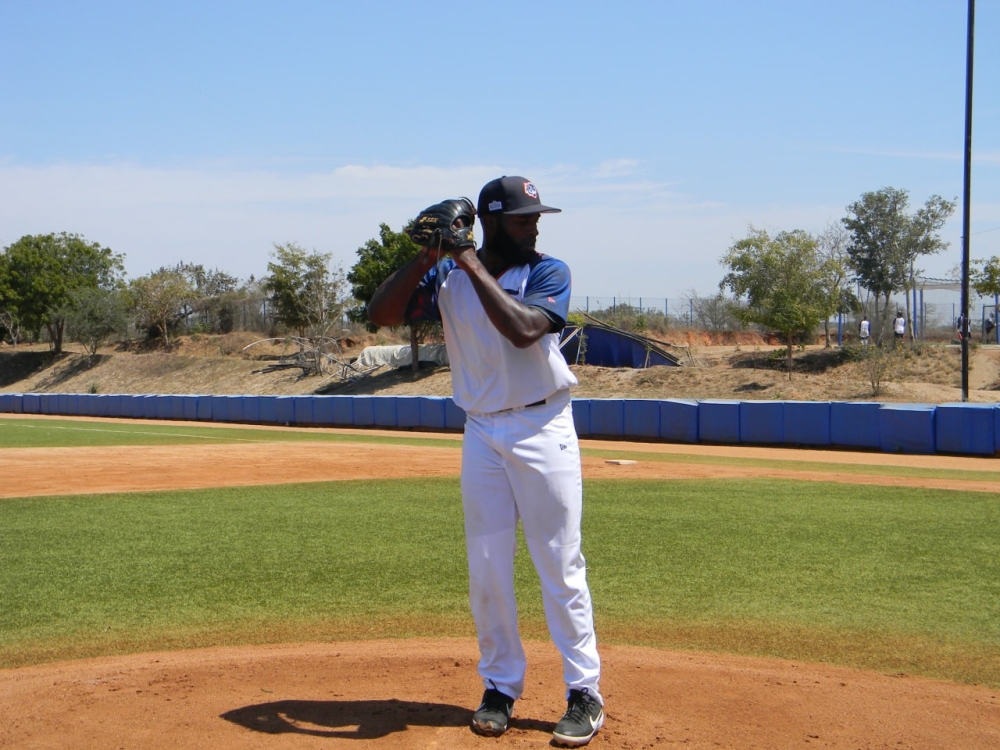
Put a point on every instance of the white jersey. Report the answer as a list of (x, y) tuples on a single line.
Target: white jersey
[(489, 374)]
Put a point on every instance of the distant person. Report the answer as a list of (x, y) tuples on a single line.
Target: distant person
[(988, 326), (963, 327), (899, 326), (865, 330)]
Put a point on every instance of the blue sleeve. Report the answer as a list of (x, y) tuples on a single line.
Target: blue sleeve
[(423, 304), (548, 289)]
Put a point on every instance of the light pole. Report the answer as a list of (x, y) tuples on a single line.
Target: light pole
[(966, 191)]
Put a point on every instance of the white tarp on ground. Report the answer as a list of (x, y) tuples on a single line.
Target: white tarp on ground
[(401, 356)]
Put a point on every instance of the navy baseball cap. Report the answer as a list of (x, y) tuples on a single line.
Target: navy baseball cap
[(511, 195)]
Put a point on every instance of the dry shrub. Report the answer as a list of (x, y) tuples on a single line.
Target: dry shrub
[(879, 366), (926, 364)]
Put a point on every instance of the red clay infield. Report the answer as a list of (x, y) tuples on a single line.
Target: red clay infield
[(418, 693)]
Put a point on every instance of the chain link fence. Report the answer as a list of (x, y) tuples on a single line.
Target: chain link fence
[(932, 314)]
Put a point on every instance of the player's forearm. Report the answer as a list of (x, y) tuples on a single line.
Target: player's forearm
[(388, 305), (518, 323)]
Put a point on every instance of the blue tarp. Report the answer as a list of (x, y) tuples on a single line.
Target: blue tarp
[(607, 417), (609, 347), (679, 420), (762, 422), (855, 424), (907, 428), (807, 422), (719, 421), (965, 428)]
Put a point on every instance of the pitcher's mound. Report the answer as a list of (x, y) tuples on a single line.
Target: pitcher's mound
[(420, 694)]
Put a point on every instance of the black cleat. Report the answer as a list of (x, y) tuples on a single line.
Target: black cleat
[(493, 715), (583, 717)]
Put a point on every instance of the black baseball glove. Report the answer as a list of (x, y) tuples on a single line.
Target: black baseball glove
[(447, 225)]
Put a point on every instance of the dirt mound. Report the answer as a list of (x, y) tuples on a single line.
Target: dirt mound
[(420, 694), (711, 338), (746, 368)]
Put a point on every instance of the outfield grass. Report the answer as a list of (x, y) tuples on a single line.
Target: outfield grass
[(45, 433), (898, 579)]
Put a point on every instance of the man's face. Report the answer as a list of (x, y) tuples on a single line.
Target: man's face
[(514, 237)]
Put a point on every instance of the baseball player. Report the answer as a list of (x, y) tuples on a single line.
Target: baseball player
[(865, 330), (502, 308)]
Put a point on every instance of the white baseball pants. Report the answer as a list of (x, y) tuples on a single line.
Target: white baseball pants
[(525, 464)]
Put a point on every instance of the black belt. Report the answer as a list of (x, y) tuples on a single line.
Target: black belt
[(526, 406)]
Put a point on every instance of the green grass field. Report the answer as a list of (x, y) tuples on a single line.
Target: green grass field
[(895, 579), (53, 433)]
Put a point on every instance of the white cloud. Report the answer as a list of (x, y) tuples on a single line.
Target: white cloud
[(228, 218), (989, 158), (621, 234), (617, 167)]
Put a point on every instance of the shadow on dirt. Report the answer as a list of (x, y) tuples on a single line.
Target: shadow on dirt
[(812, 362), (377, 381), (80, 364), (753, 387), (17, 366), (359, 720)]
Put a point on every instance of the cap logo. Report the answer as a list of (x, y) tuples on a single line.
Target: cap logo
[(496, 205), (530, 190)]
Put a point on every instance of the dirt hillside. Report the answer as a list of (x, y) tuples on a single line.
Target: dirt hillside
[(719, 368)]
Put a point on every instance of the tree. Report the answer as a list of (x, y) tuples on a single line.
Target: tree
[(833, 244), (711, 313), (10, 326), (781, 281), (93, 316), (307, 296), (213, 297), (41, 271), (985, 279), (886, 241), (158, 300), (377, 260), (10, 323), (249, 307)]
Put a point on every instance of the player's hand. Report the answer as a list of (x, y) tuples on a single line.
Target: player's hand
[(464, 256), (446, 226)]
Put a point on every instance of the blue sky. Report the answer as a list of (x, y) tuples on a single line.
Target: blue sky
[(208, 131)]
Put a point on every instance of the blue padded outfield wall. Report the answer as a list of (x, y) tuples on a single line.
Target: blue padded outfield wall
[(964, 429)]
